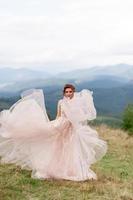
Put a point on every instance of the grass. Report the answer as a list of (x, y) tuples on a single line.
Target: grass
[(114, 170)]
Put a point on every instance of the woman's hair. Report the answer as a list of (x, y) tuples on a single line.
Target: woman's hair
[(68, 86)]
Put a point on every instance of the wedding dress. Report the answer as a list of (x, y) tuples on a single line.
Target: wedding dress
[(63, 148)]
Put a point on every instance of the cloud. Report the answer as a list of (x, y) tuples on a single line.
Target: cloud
[(65, 33)]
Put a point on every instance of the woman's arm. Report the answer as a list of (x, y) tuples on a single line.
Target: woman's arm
[(58, 110)]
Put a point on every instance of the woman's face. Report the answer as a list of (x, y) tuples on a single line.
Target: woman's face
[(69, 93)]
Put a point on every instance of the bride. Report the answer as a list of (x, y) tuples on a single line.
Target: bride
[(63, 148)]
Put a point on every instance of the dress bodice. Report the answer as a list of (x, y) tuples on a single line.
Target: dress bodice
[(61, 106)]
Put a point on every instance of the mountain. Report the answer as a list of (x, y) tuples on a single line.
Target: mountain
[(18, 86), (9, 75), (108, 101), (103, 81), (112, 86), (97, 77), (122, 72), (112, 101)]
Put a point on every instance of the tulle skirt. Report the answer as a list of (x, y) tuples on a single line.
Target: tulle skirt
[(55, 149)]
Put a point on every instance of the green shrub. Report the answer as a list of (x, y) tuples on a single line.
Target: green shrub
[(128, 119)]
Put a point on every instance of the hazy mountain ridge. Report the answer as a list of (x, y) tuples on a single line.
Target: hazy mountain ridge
[(112, 76), (112, 92), (120, 71), (10, 75)]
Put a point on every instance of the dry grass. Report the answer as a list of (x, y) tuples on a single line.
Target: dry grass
[(115, 176)]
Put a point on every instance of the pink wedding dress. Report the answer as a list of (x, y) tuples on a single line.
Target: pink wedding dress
[(63, 148)]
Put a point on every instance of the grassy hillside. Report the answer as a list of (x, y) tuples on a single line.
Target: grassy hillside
[(113, 122), (114, 170)]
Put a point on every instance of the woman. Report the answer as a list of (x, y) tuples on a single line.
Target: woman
[(63, 148)]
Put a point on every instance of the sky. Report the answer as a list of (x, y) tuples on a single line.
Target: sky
[(65, 34)]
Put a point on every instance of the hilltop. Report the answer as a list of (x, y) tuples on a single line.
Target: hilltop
[(114, 170)]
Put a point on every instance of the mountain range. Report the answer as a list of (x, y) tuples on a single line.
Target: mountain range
[(112, 85)]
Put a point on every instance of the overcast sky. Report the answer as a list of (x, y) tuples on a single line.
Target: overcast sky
[(65, 33)]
